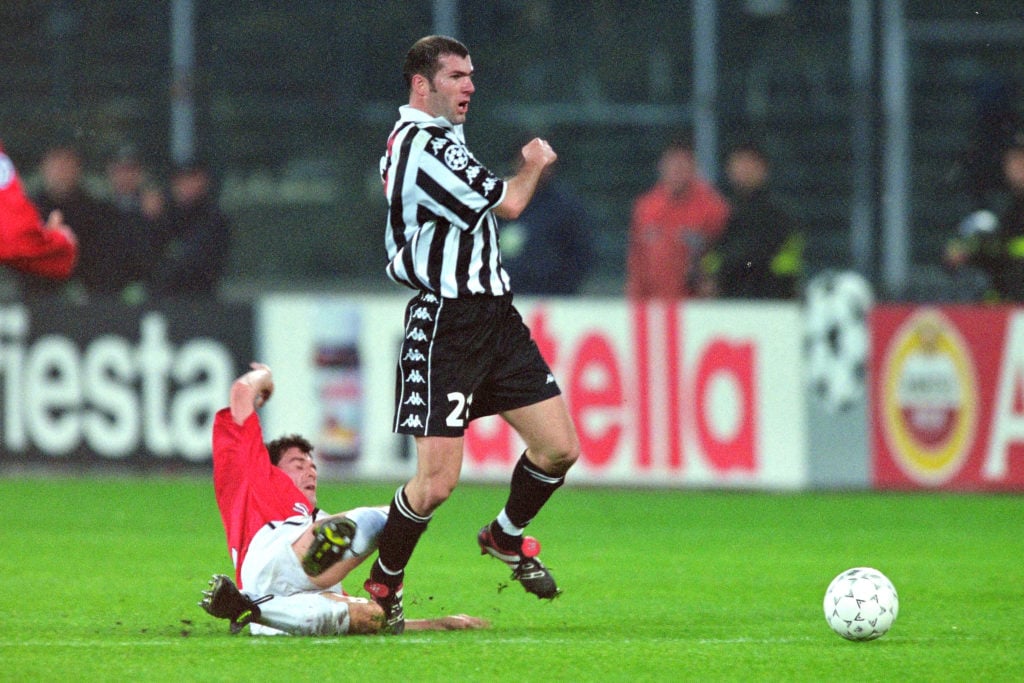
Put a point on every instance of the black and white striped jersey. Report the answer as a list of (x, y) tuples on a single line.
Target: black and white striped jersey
[(441, 235)]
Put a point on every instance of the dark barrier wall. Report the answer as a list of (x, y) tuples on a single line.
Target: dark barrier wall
[(106, 383)]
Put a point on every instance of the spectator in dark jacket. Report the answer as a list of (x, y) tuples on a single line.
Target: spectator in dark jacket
[(760, 254), (139, 208), (102, 262), (192, 255)]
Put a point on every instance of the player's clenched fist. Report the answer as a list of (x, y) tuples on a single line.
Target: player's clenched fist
[(538, 151)]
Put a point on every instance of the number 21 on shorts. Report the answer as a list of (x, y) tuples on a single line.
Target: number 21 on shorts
[(460, 410)]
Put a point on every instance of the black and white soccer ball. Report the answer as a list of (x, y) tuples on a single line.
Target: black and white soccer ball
[(836, 339), (861, 604)]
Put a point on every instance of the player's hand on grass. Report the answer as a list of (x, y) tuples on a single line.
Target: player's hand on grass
[(456, 622)]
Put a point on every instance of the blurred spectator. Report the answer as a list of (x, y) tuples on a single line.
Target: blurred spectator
[(131, 188), (26, 243), (761, 251), (139, 209), (996, 121), (672, 227), (192, 253), (995, 244), (547, 251), (101, 268)]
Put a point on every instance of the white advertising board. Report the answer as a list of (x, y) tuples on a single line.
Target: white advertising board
[(699, 394)]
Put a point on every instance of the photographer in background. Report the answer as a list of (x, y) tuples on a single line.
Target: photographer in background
[(994, 243)]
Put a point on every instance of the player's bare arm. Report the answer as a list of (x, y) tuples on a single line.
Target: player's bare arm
[(456, 622), (366, 618), (250, 391), (537, 156)]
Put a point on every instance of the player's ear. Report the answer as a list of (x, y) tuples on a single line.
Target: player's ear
[(420, 84)]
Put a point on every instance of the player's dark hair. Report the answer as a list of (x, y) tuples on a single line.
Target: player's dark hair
[(277, 447), (424, 57)]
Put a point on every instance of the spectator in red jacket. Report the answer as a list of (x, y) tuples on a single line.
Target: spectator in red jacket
[(673, 226), (26, 243)]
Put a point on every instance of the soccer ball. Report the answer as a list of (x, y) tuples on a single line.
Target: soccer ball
[(861, 604)]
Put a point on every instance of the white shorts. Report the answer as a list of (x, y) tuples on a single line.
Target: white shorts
[(271, 566)]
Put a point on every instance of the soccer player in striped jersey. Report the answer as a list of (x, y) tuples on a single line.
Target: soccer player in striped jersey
[(467, 352)]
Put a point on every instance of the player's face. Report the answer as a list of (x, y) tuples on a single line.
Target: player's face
[(301, 469), (450, 91)]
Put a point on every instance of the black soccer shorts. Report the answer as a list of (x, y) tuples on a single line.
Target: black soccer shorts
[(462, 359)]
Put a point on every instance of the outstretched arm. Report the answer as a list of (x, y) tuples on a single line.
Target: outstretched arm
[(458, 622), (250, 391), (26, 243), (366, 618)]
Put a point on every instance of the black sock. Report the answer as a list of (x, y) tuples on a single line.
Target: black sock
[(397, 541), (528, 492)]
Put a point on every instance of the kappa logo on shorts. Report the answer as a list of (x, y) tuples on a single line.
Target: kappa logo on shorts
[(414, 377), (414, 355), (550, 379), (416, 334), (456, 157), (415, 400), (413, 421), (428, 298), (420, 313)]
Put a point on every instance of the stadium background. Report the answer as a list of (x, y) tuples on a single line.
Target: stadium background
[(867, 108)]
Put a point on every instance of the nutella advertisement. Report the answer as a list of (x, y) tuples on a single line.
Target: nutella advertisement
[(662, 394)]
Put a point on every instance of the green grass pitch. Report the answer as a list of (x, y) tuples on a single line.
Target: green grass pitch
[(100, 579)]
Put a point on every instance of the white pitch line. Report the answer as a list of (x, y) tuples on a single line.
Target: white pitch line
[(257, 641)]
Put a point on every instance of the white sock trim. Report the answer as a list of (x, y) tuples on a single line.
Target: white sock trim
[(507, 526)]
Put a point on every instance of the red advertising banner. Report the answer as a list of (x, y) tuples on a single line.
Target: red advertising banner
[(947, 397)]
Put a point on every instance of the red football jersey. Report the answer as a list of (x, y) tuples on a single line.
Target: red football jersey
[(250, 491), (24, 243)]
